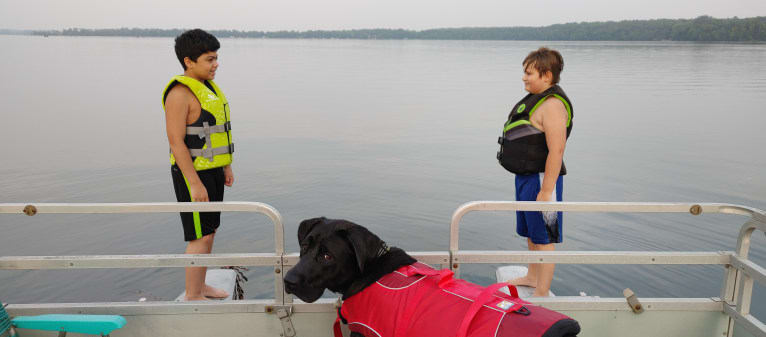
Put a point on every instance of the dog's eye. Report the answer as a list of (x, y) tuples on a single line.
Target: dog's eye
[(327, 257)]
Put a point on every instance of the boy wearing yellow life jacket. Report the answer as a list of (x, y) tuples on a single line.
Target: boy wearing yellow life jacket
[(199, 133)]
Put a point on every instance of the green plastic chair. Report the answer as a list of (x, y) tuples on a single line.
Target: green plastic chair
[(100, 325)]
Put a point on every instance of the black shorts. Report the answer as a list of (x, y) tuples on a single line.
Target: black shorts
[(198, 224)]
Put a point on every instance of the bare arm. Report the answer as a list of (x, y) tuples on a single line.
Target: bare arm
[(228, 175), (177, 105), (554, 119)]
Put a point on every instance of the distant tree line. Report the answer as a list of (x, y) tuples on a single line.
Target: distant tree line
[(15, 32), (703, 28)]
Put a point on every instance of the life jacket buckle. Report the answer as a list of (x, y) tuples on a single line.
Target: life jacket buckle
[(208, 154)]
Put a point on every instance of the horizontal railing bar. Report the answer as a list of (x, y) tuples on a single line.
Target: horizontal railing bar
[(432, 257), (586, 303), (170, 307), (607, 207), (270, 259), (291, 259), (141, 207), (591, 303), (240, 206), (604, 207), (153, 207), (593, 257), (138, 261), (755, 271), (145, 308), (750, 323)]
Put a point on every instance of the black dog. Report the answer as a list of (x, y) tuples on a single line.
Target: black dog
[(341, 256), (347, 258)]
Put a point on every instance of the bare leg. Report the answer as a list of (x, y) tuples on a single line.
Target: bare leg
[(529, 280), (544, 272), (196, 289)]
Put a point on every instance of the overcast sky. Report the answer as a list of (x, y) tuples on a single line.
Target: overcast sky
[(270, 15)]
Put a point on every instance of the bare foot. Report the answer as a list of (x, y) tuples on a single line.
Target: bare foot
[(538, 294), (195, 298), (524, 281), (212, 292)]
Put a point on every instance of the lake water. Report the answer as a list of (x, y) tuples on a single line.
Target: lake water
[(393, 135)]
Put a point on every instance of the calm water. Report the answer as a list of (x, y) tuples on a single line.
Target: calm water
[(393, 135)]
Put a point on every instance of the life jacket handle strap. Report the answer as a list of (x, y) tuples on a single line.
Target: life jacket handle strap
[(444, 275), (485, 296)]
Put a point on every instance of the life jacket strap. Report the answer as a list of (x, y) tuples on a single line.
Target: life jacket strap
[(202, 131), (485, 296), (210, 153), (336, 328), (444, 276)]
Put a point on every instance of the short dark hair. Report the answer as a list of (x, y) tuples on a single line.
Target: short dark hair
[(193, 43), (545, 60)]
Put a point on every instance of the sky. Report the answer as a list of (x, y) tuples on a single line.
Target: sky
[(272, 15)]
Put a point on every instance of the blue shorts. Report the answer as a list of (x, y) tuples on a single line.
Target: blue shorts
[(531, 224)]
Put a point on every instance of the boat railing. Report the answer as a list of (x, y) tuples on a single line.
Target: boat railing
[(275, 259), (735, 298), (740, 272)]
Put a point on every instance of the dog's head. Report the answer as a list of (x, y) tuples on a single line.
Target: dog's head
[(334, 253)]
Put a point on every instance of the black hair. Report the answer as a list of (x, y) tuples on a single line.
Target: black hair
[(193, 43)]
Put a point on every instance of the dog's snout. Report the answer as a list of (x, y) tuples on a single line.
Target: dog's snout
[(291, 282)]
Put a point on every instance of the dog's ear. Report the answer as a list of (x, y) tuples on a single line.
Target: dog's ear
[(306, 226), (366, 244)]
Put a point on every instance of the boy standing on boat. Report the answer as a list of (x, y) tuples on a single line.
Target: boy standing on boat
[(198, 129), (532, 147)]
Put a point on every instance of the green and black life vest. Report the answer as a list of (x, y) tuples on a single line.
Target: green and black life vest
[(523, 149), (208, 138)]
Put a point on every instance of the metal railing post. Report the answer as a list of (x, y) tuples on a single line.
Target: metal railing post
[(737, 289)]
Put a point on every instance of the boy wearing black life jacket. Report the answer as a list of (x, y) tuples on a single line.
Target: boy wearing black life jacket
[(199, 133), (532, 147)]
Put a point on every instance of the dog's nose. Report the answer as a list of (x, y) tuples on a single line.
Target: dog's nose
[(291, 283), (289, 287)]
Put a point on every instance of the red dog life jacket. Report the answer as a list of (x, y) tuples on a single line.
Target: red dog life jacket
[(417, 300)]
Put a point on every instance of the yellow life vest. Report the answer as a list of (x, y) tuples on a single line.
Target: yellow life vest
[(218, 146)]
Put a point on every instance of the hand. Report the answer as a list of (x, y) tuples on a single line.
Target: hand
[(198, 192), (228, 175), (542, 196)]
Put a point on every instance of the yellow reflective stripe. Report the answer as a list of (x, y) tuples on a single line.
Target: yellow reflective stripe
[(515, 124), (569, 109), (537, 105), (195, 215)]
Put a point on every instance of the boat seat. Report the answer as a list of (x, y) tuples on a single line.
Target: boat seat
[(100, 325)]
